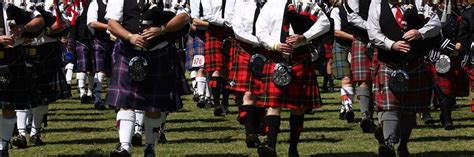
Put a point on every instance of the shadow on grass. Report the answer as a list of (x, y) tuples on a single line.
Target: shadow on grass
[(306, 119), (195, 120), (351, 154), (321, 129), (81, 129), (202, 129), (203, 140), (82, 109), (77, 120), (442, 138), (183, 111), (437, 126), (87, 141), (76, 114), (216, 155), (89, 153), (445, 154)]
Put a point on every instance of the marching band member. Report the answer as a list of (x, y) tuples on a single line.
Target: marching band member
[(466, 39)]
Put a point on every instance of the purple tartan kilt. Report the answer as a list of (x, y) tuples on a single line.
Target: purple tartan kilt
[(117, 46), (102, 59), (158, 92), (418, 96), (17, 95), (195, 46), (83, 57)]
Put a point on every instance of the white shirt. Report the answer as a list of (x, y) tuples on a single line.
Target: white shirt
[(354, 18), (430, 29), (243, 20), (213, 12), (114, 9), (194, 4), (336, 18), (92, 13), (270, 20)]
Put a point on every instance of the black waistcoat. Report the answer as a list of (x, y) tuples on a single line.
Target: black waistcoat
[(81, 31), (364, 6), (345, 26), (101, 34)]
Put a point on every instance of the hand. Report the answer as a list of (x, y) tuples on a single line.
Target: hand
[(401, 46), (138, 40), (151, 33), (295, 39), (113, 37), (285, 49), (458, 46), (18, 30), (412, 35), (7, 40)]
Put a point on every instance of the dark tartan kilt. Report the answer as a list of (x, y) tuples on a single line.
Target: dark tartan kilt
[(240, 72), (158, 92), (328, 47), (180, 81), (117, 47), (51, 82), (340, 65), (418, 96), (361, 61), (83, 57), (470, 72), (17, 95), (454, 83), (215, 59), (195, 46), (102, 59), (301, 93)]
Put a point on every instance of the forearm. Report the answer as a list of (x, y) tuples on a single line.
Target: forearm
[(343, 35), (178, 22), (98, 25), (200, 23), (36, 24), (116, 29)]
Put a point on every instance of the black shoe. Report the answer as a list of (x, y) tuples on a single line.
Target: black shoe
[(386, 151), (218, 112), (324, 90), (367, 125), (120, 152), (99, 106), (252, 140), (403, 151), (379, 135), (209, 103), (293, 152), (266, 151), (447, 123), (201, 103), (331, 89), (149, 150), (36, 140), (427, 119), (196, 97), (226, 110), (84, 99), (349, 116), (4, 151), (137, 140), (342, 115), (19, 141), (162, 138)]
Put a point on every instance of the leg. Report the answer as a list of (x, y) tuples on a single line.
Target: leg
[(363, 94), (390, 126), (201, 87), (249, 117), (20, 140), (126, 121), (81, 83), (407, 123), (7, 123), (329, 74), (137, 136), (69, 67), (216, 93), (153, 122), (446, 109), (347, 94), (296, 127), (98, 80), (162, 137), (194, 83), (273, 123), (38, 117), (90, 83)]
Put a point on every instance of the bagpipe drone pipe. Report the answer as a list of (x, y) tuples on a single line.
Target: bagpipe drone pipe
[(157, 16)]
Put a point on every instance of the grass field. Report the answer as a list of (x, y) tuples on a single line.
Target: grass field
[(79, 130)]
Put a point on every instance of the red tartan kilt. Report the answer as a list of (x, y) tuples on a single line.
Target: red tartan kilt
[(328, 50), (455, 83), (470, 72), (214, 58), (361, 62), (301, 93), (416, 99), (240, 72)]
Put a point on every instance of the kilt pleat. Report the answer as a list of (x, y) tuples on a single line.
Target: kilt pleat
[(454, 83), (102, 59), (240, 72), (83, 57), (361, 62), (340, 65), (214, 58)]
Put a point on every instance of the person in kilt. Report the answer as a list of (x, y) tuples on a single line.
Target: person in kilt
[(327, 48), (401, 49), (243, 46), (101, 47), (301, 93), (196, 52), (219, 16), (466, 29), (453, 83), (127, 85)]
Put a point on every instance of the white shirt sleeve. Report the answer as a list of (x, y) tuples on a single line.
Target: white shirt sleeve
[(211, 13), (263, 27), (320, 27), (432, 28), (375, 31), (194, 4), (354, 17), (336, 18), (114, 10), (92, 12), (229, 12), (243, 21)]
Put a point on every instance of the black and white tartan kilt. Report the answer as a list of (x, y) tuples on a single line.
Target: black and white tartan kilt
[(50, 84), (158, 92), (340, 65), (17, 94)]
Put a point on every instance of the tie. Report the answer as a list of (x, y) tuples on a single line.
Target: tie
[(223, 8), (255, 17), (399, 16)]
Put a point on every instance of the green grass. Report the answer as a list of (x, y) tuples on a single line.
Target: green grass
[(79, 130)]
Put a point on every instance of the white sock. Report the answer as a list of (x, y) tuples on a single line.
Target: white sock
[(69, 67), (201, 85), (21, 121), (126, 120), (38, 117), (98, 80), (139, 114), (208, 92), (6, 131), (90, 82), (349, 92), (152, 126), (81, 83), (192, 76)]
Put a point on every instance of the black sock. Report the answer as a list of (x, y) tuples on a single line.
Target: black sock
[(296, 127), (325, 81), (225, 92), (331, 81), (407, 123), (216, 92), (250, 119), (273, 124)]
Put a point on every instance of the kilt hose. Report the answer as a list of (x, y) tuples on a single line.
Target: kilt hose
[(240, 71), (102, 55), (420, 85), (158, 92), (328, 47), (302, 92), (17, 94), (454, 83), (195, 46), (340, 65), (83, 56), (214, 57), (361, 61), (470, 72)]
